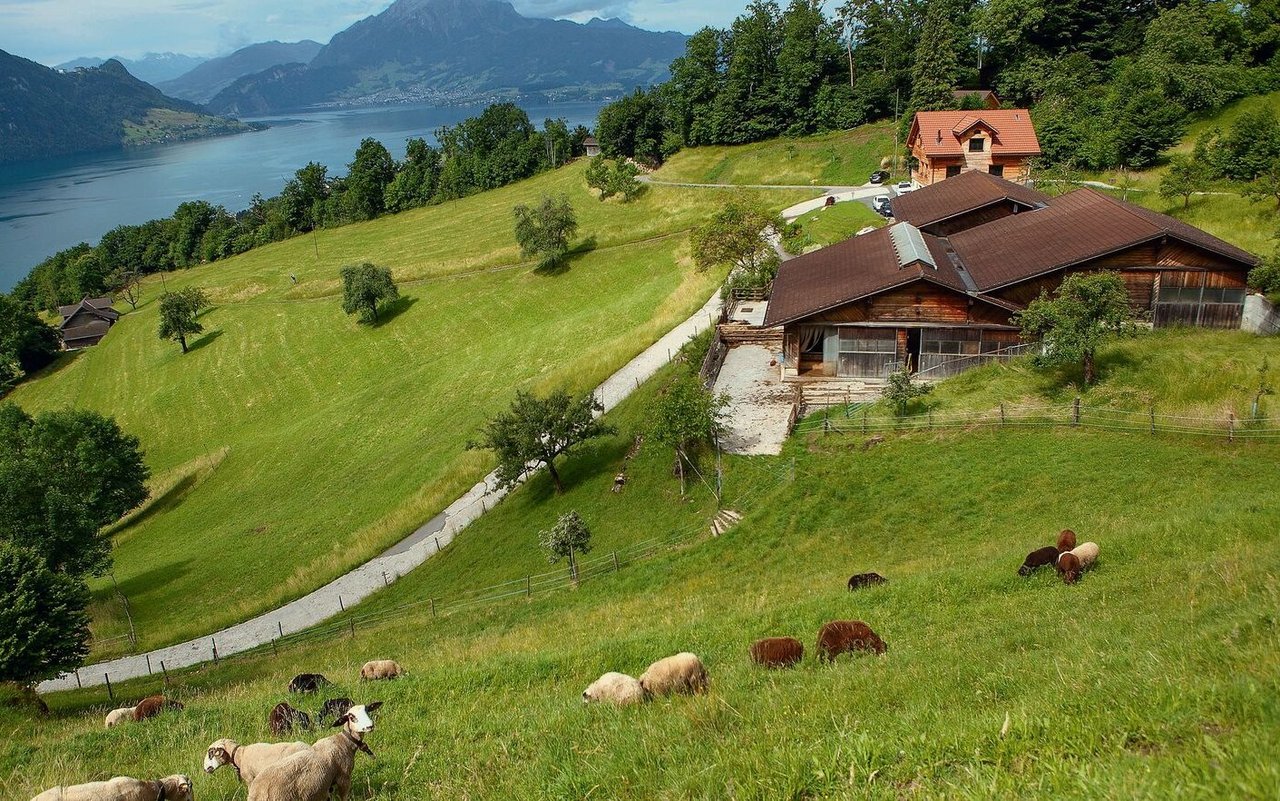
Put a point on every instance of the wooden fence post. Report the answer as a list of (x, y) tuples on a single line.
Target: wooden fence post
[(215, 650), (1231, 426), (110, 694), (342, 608), (528, 586), (351, 623), (433, 607), (165, 671), (1002, 415), (1075, 411), (1153, 418), (864, 422), (826, 419), (79, 686), (148, 656), (274, 652), (280, 629), (615, 561)]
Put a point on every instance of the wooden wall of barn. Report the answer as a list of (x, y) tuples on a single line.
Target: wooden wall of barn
[(920, 302)]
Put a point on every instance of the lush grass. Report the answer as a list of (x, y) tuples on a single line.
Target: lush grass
[(844, 158), (293, 443), (1224, 118), (831, 224), (1156, 676)]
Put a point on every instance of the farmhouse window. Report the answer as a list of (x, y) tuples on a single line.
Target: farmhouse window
[(953, 170), (997, 170), (977, 144)]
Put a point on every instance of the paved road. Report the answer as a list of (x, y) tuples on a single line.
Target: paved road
[(421, 545), (842, 194)]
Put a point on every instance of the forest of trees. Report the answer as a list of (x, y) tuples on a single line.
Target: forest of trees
[(495, 148), (1110, 82)]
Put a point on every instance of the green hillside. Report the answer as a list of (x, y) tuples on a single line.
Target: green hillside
[(1157, 676), (292, 444)]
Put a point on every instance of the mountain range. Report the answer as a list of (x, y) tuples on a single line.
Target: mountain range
[(44, 112), (152, 68), (214, 75), (457, 51)]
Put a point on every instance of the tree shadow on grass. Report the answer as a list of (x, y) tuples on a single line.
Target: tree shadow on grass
[(586, 463), (155, 577), (562, 265), (167, 501), (393, 310), (207, 339), (61, 362)]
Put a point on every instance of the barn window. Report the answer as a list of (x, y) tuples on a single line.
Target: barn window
[(997, 170), (977, 144), (953, 170)]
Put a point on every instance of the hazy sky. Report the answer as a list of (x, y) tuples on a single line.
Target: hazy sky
[(54, 31)]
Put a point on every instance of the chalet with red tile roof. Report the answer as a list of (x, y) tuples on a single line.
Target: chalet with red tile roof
[(936, 291), (86, 323), (945, 144)]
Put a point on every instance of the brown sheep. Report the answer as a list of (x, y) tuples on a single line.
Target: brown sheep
[(1066, 539), (777, 652), (1037, 559), (153, 705), (1074, 562), (380, 669), (840, 636), (865, 580), (283, 718)]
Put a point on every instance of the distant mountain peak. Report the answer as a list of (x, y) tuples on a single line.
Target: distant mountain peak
[(611, 22)]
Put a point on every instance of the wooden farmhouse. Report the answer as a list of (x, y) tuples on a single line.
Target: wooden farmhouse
[(86, 323), (592, 146), (944, 144), (935, 291)]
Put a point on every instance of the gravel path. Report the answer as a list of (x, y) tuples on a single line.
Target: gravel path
[(427, 540), (759, 403)]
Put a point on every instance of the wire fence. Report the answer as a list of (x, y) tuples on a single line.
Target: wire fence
[(865, 419), (595, 567)]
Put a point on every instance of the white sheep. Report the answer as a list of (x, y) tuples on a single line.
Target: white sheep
[(309, 775), (117, 716), (682, 673), (123, 788), (247, 760), (380, 669), (618, 689), (1087, 553)]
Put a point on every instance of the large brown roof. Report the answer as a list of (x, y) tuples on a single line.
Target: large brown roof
[(92, 303), (965, 192), (939, 132), (1074, 228)]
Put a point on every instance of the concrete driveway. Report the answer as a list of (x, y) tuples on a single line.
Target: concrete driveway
[(759, 403)]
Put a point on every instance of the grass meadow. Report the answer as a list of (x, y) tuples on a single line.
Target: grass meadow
[(292, 443), (831, 224), (842, 158), (1156, 676)]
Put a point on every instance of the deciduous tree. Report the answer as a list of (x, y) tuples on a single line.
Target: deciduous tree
[(568, 537), (544, 230), (537, 430), (179, 313), (364, 287), (685, 416), (42, 615), (1184, 178), (1087, 311)]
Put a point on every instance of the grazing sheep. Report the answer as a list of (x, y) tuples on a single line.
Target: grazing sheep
[(310, 775), (1037, 559), (865, 580), (1066, 539), (840, 636), (380, 669), (117, 716), (333, 709), (777, 652), (247, 760), (618, 689), (284, 718), (307, 683), (1074, 562), (124, 788), (153, 705), (682, 673)]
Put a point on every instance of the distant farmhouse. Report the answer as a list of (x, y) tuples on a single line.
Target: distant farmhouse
[(945, 144), (592, 146), (936, 290), (86, 323)]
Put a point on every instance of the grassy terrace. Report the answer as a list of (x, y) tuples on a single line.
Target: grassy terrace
[(292, 443), (1158, 675), (842, 158), (831, 224)]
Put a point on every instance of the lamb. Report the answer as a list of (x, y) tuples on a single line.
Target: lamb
[(283, 718), (117, 716), (310, 775), (153, 705), (307, 683), (682, 673), (124, 788), (1066, 539), (1037, 559), (618, 689), (840, 636), (247, 760), (333, 709), (777, 652), (1074, 562), (380, 669), (865, 580)]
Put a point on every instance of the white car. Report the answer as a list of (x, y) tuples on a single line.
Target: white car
[(880, 203), (905, 187)]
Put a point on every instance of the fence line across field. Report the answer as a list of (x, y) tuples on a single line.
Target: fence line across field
[(858, 417)]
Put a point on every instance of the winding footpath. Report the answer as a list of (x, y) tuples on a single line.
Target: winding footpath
[(350, 588)]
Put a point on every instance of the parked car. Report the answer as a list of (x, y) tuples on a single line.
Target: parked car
[(905, 187), (880, 203), (879, 176)]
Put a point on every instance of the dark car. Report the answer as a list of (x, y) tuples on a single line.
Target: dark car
[(880, 203), (879, 176)]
